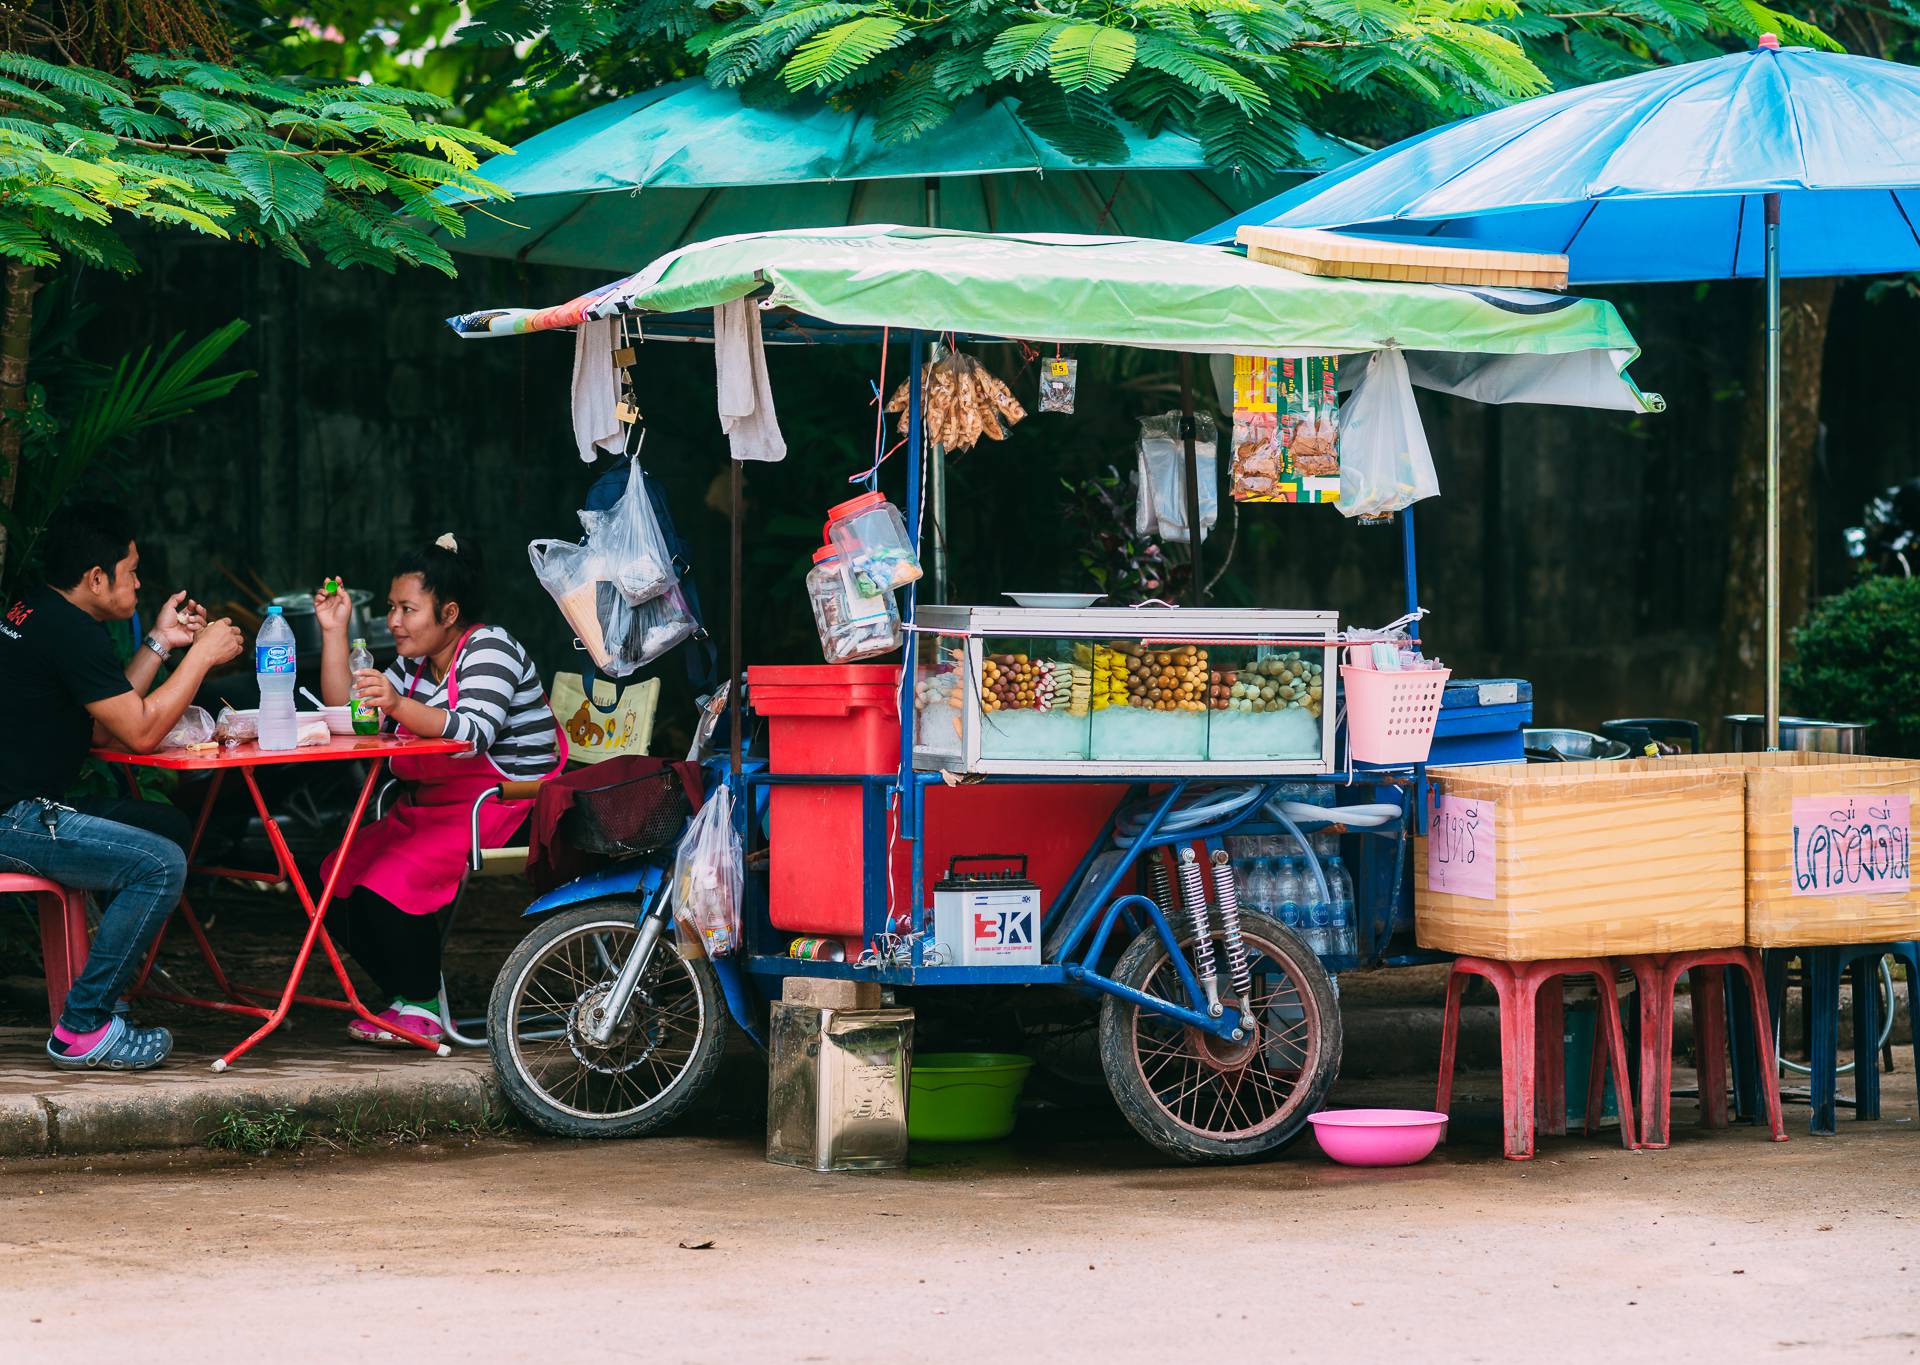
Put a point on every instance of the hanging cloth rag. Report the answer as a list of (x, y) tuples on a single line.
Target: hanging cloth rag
[(740, 372), (596, 391)]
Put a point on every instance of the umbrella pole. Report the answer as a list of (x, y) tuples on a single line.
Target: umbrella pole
[(1773, 470), (1187, 432), (736, 712)]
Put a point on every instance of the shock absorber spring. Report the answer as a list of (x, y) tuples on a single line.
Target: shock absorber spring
[(1228, 895), (1193, 890), (1159, 883)]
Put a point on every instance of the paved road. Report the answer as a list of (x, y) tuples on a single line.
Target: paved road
[(1724, 1247)]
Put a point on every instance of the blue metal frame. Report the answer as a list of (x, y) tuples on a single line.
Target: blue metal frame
[(901, 794)]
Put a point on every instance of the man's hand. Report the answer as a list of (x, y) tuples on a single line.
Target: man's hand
[(376, 689), (217, 643), (332, 607), (179, 621)]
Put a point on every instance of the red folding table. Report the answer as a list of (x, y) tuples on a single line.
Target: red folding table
[(374, 751)]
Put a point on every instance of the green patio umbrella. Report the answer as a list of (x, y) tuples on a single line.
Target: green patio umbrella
[(640, 177)]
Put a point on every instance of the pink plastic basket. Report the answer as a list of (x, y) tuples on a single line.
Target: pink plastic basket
[(1390, 716)]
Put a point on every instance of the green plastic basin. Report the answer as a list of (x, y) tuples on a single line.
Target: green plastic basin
[(965, 1096)]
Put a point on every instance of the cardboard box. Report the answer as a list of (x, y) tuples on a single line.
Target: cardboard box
[(831, 993), (1530, 861), (1829, 840), (1312, 251)]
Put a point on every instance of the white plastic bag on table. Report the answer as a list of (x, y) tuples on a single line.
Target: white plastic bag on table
[(629, 543), (1162, 505), (195, 726), (1385, 464), (708, 877)]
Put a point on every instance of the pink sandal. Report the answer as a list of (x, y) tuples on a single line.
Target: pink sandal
[(414, 1021)]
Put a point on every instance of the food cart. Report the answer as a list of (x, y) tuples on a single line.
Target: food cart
[(1219, 1025)]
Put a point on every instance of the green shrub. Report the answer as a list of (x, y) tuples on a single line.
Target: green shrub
[(1858, 658)]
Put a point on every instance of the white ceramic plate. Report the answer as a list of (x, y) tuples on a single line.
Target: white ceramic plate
[(1057, 601)]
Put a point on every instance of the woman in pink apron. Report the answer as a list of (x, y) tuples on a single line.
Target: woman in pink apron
[(454, 677)]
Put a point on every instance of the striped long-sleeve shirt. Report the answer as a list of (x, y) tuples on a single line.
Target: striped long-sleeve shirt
[(502, 711)]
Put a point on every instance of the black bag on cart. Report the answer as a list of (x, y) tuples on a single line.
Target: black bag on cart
[(701, 656)]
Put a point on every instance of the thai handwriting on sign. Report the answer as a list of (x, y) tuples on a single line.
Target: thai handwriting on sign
[(1460, 847), (1852, 845)]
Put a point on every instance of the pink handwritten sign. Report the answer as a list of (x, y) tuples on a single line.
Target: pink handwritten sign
[(1460, 847), (1852, 845)]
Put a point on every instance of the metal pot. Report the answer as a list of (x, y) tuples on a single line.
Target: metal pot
[(297, 607), (1569, 746), (1749, 735)]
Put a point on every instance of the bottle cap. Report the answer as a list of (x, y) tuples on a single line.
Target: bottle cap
[(359, 644), (276, 610)]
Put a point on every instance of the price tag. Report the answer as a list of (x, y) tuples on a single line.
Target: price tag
[(1460, 847), (1852, 845)]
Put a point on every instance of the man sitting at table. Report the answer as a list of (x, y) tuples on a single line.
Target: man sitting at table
[(61, 687)]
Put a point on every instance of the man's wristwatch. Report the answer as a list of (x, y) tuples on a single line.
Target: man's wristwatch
[(162, 650)]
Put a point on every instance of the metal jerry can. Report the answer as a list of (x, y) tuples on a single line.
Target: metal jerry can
[(987, 919), (837, 1087)]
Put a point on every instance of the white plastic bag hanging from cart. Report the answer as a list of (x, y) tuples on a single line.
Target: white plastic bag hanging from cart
[(571, 575), (1385, 464), (707, 876), (1162, 505), (631, 546)]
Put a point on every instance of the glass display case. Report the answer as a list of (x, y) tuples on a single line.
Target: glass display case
[(1124, 691)]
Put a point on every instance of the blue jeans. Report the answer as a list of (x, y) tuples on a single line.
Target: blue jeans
[(130, 851)]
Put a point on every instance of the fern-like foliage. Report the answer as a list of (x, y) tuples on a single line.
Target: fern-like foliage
[(230, 151)]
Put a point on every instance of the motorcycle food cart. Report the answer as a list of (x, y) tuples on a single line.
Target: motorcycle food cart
[(1219, 1027)]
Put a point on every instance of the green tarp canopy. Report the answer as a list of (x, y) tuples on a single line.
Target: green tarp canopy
[(1495, 345)]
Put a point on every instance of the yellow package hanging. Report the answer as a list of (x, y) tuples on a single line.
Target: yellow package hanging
[(1286, 433)]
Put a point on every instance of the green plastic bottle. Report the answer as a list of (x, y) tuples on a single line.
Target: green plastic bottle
[(366, 719)]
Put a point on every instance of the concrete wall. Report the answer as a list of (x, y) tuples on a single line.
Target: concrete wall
[(1584, 551)]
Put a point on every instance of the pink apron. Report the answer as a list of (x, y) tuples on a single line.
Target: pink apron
[(416, 856)]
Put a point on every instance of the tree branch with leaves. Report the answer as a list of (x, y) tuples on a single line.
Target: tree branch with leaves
[(351, 172)]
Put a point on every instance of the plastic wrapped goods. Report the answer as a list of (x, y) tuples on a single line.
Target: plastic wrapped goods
[(707, 876), (852, 624)]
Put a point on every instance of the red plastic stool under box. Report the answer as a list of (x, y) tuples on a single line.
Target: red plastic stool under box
[(1658, 975), (845, 719), (1532, 1050)]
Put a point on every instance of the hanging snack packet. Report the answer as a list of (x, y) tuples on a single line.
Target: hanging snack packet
[(1059, 381)]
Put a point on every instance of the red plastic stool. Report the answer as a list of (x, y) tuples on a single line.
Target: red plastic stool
[(1531, 1043), (1658, 976), (63, 932)]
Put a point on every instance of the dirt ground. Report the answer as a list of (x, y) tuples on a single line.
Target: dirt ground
[(1071, 1243)]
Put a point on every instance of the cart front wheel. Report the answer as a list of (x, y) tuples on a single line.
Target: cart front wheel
[(1202, 1098), (660, 1054)]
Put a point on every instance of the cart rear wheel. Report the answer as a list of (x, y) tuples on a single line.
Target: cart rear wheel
[(1202, 1098), (661, 1053)]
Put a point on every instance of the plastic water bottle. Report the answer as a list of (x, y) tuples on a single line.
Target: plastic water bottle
[(1286, 892), (274, 666), (1317, 912), (1346, 940), (366, 719)]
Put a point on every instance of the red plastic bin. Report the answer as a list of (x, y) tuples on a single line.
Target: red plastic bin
[(842, 719)]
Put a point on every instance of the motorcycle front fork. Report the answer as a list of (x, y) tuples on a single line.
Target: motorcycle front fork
[(612, 1007)]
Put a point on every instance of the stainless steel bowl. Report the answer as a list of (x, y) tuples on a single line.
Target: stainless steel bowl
[(1570, 746), (297, 607), (1798, 732)]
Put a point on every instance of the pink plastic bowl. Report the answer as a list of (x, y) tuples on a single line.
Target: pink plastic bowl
[(1377, 1137)]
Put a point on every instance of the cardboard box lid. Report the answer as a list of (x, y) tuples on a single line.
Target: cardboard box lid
[(1321, 252)]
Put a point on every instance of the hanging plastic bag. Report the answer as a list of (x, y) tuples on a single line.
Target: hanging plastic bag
[(641, 634), (632, 549), (707, 876), (571, 574), (1161, 508), (1385, 464)]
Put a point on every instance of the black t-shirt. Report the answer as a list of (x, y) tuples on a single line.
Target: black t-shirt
[(55, 661)]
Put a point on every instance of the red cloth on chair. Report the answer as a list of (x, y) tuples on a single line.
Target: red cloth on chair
[(550, 861)]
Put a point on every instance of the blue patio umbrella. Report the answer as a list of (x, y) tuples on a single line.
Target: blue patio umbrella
[(1779, 161)]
